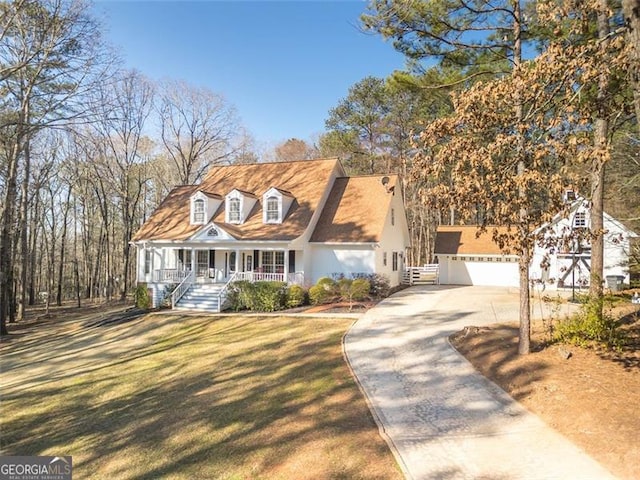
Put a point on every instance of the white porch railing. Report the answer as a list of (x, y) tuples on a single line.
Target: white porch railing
[(260, 277), (171, 275), (181, 289), (222, 294), (429, 273), (292, 278)]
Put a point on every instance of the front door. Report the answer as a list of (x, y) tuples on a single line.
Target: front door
[(202, 264)]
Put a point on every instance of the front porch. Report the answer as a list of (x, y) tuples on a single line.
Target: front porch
[(171, 272), (163, 264)]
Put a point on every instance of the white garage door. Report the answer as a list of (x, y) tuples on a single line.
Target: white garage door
[(476, 272)]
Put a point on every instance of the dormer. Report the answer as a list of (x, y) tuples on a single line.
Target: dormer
[(203, 206), (238, 205), (275, 205)]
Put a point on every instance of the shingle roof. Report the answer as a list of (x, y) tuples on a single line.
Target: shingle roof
[(305, 180), (462, 239), (356, 210)]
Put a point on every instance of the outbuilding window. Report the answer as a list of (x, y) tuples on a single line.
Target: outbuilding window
[(580, 220)]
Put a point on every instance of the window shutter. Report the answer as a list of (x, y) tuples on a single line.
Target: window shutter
[(292, 260)]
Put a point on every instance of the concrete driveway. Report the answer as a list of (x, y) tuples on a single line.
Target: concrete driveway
[(441, 418)]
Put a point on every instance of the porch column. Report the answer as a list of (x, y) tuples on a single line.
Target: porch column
[(193, 261), (237, 261), (141, 256), (286, 265)]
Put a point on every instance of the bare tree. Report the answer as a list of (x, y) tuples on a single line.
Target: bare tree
[(197, 128), (124, 109), (49, 55), (294, 149)]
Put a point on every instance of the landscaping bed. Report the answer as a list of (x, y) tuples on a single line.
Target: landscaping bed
[(591, 397)]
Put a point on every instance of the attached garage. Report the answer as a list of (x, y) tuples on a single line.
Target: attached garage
[(467, 259)]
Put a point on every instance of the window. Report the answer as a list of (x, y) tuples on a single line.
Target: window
[(273, 209), (394, 260), (147, 261), (580, 220), (198, 211), (232, 262), (393, 217), (384, 258), (234, 210), (272, 262)]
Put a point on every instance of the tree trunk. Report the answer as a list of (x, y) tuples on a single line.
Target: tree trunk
[(601, 134), (6, 226), (24, 244), (524, 343), (63, 246), (524, 337), (34, 242)]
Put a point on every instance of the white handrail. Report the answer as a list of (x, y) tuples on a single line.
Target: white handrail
[(171, 275), (181, 289), (223, 290)]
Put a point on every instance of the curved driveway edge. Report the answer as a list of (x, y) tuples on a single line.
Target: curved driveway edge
[(442, 419)]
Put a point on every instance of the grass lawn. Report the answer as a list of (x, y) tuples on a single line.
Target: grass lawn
[(170, 396)]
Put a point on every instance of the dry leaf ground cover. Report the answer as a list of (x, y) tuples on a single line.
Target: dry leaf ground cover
[(167, 396), (591, 397)]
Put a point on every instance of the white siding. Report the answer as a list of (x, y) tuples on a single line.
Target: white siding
[(329, 260), (394, 239)]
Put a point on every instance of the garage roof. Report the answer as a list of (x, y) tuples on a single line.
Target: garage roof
[(464, 239)]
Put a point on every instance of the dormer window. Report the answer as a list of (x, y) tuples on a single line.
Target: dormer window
[(234, 210), (203, 206), (198, 211), (275, 205), (238, 206), (273, 210)]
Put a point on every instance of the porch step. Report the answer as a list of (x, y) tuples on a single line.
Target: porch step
[(202, 298)]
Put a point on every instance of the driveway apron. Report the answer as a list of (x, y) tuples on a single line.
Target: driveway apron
[(442, 419)]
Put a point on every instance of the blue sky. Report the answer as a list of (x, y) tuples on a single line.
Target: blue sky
[(283, 65)]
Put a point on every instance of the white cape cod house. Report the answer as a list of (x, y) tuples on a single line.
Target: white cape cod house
[(467, 259), (291, 221)]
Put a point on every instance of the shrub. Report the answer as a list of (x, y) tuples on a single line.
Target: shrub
[(258, 296), (296, 296), (351, 290), (239, 295), (589, 328), (379, 285), (142, 297), (166, 295), (360, 288), (324, 291), (269, 296)]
